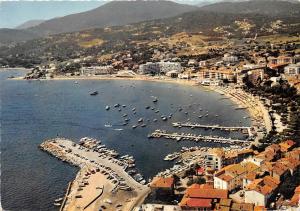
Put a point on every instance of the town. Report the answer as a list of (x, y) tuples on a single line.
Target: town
[(260, 174)]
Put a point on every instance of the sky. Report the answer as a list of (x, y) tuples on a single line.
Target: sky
[(14, 13)]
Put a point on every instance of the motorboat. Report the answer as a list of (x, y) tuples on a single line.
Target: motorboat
[(94, 93)]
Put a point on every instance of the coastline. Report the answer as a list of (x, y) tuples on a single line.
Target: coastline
[(258, 113), (254, 106)]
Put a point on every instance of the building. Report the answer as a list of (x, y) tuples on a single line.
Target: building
[(292, 69), (97, 70), (214, 158), (260, 191), (159, 68), (282, 61), (158, 207), (162, 186), (202, 197), (216, 73), (230, 58), (229, 205), (231, 177)]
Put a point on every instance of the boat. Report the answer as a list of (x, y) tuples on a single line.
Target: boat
[(147, 107), (59, 199), (143, 125), (124, 115), (164, 118), (133, 109), (155, 99), (154, 120), (108, 125), (107, 107), (94, 93), (134, 126), (127, 120), (117, 105), (76, 82), (118, 129), (140, 120), (57, 204)]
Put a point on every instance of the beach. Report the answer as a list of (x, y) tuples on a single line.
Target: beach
[(260, 117)]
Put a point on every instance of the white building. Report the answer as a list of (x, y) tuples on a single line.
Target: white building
[(97, 70), (261, 190), (159, 67), (292, 69), (230, 58), (254, 197), (213, 159)]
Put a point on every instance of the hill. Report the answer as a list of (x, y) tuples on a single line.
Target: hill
[(29, 24), (274, 8), (114, 13), (15, 35)]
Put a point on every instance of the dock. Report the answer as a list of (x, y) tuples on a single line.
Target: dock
[(213, 127), (197, 138), (101, 176)]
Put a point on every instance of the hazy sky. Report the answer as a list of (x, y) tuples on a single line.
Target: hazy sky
[(14, 13)]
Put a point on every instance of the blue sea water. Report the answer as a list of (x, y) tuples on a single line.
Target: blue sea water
[(33, 111)]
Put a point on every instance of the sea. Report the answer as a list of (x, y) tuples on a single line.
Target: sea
[(34, 111)]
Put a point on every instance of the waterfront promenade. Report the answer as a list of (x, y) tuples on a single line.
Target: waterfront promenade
[(101, 180)]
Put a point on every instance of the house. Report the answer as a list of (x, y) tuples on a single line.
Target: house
[(286, 145), (248, 179), (231, 177), (292, 69), (230, 58), (295, 200), (279, 63), (261, 191), (202, 197), (162, 186), (229, 205)]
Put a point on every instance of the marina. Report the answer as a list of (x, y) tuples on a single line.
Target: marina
[(246, 130), (96, 162), (192, 137)]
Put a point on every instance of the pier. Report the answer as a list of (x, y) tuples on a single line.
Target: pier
[(212, 127), (101, 177), (196, 138)]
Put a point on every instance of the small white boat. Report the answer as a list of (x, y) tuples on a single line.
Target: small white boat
[(107, 107)]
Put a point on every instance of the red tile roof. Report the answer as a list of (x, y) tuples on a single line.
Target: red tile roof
[(160, 182), (206, 193), (194, 202)]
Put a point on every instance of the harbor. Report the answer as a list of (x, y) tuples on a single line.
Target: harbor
[(102, 181), (192, 137), (245, 130)]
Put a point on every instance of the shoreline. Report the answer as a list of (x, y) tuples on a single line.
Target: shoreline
[(255, 108), (101, 179)]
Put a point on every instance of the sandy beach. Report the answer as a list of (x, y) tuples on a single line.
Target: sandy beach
[(258, 112)]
